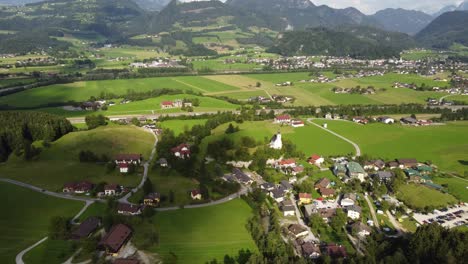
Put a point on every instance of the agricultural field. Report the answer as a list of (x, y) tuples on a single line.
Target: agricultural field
[(59, 163), (15, 82), (202, 234), (455, 186), (82, 91), (50, 251), (17, 229), (419, 196), (444, 145), (179, 126)]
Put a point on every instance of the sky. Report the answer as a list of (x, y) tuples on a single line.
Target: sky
[(371, 6)]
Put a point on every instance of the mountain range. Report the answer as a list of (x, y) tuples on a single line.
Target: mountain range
[(461, 7)]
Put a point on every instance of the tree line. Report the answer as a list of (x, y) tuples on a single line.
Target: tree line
[(20, 129)]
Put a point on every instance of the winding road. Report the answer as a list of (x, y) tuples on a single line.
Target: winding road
[(356, 147), (372, 210)]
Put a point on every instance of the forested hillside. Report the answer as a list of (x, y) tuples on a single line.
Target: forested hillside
[(441, 33)]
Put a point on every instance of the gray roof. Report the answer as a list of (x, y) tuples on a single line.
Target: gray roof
[(286, 185), (384, 174), (354, 208)]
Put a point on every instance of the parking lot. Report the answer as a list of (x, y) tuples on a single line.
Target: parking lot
[(448, 217)]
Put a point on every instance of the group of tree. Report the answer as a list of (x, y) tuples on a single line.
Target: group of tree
[(94, 121), (20, 129)]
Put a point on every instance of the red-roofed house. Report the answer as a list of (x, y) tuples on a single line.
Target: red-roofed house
[(336, 251), (78, 187), (196, 194), (326, 192), (182, 151), (297, 123), (316, 160), (167, 105), (287, 163), (305, 198), (123, 167), (128, 158), (111, 189), (115, 239), (283, 119)]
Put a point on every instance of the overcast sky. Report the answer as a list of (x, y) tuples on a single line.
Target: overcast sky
[(371, 6)]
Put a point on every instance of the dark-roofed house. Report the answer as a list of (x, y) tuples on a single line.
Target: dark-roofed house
[(360, 229), (354, 211), (322, 183), (128, 158), (407, 163), (393, 164), (277, 194), (267, 186), (288, 208), (152, 199), (297, 230), (196, 194), (111, 189), (408, 121), (286, 185), (310, 250), (348, 199), (128, 209), (86, 228), (384, 176), (181, 151), (241, 177), (115, 239), (78, 187), (335, 251), (126, 261)]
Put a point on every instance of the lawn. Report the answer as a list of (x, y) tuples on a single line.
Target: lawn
[(26, 218), (445, 145), (418, 197), (455, 186), (51, 252), (59, 163), (309, 139), (202, 234), (179, 126)]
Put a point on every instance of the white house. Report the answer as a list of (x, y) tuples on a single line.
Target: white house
[(123, 167), (297, 123), (316, 160), (354, 212), (348, 199), (386, 120), (288, 208), (111, 189)]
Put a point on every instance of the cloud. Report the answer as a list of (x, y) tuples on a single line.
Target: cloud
[(371, 6)]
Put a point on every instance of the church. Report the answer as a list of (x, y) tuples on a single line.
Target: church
[(276, 142)]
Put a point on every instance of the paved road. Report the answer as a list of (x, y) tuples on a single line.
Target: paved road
[(243, 190), (372, 210), (19, 257), (75, 120), (146, 165), (400, 230), (356, 147), (58, 195), (311, 235)]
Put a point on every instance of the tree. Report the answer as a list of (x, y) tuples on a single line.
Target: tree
[(94, 121), (231, 129), (59, 228), (258, 84), (148, 187), (338, 221), (135, 121)]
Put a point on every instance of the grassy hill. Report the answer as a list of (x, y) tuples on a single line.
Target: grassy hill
[(200, 235), (26, 218), (59, 163)]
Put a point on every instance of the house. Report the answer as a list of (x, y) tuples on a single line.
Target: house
[(412, 172), (78, 187), (374, 165), (360, 229), (322, 183), (129, 209), (126, 261), (297, 123), (241, 177), (339, 170), (115, 239), (348, 199), (178, 103), (325, 213), (196, 194), (167, 105), (355, 171), (111, 189), (386, 120), (267, 186), (277, 194), (335, 251), (310, 250), (360, 120), (288, 208), (128, 158), (316, 160), (297, 230), (123, 167), (86, 228), (286, 163), (408, 121), (326, 192), (305, 198), (328, 116), (393, 165), (276, 142), (285, 186), (354, 211), (296, 170), (152, 199), (424, 169), (182, 151), (163, 162), (407, 163), (283, 119), (384, 176)]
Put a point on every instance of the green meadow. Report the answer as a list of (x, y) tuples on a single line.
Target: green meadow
[(26, 218), (419, 196), (59, 163), (444, 145), (179, 126), (199, 235)]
